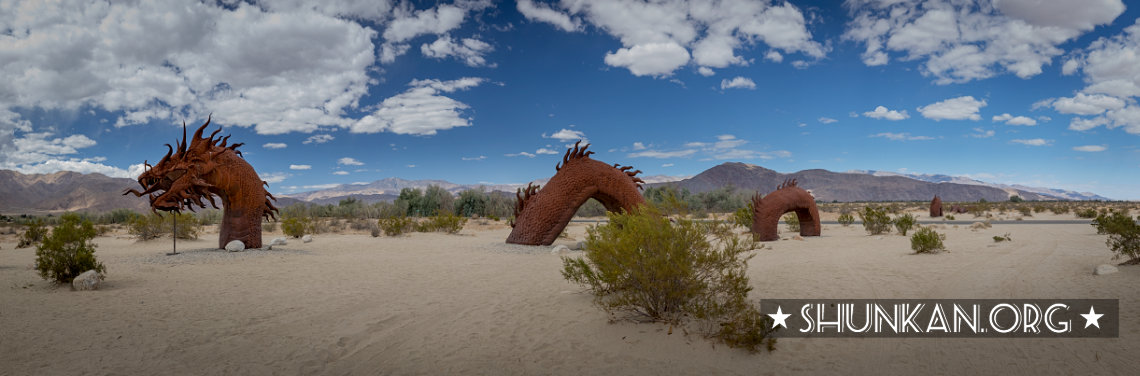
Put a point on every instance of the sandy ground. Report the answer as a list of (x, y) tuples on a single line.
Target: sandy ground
[(470, 304)]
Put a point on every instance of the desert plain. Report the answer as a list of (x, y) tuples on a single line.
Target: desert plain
[(432, 303)]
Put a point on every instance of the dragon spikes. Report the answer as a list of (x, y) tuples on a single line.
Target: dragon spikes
[(791, 182)]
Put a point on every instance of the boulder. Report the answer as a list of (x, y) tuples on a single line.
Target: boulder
[(235, 246), (278, 241), (1103, 269), (307, 238), (89, 280), (560, 250)]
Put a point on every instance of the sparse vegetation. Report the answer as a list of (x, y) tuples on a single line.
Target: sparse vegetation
[(792, 221), (926, 240), (846, 219), (1123, 235), (34, 234), (875, 220), (66, 252), (154, 226), (1003, 238), (1085, 213), (743, 216), (643, 265), (297, 227), (395, 226), (904, 223), (444, 222)]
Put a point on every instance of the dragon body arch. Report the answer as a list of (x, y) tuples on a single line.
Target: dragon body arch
[(541, 215), (202, 169), (788, 197)]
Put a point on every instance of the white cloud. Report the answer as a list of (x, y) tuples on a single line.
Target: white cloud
[(545, 151), (667, 165), (638, 146), (521, 154), (1015, 120), (663, 154), (1083, 124), (469, 50), (274, 145), (274, 177), (1033, 142), (827, 120), (300, 167), (727, 146), (659, 37), (963, 41), (902, 137), (706, 71), (543, 13), (738, 82), (479, 158), (881, 112), (38, 153), (340, 173), (318, 139), (420, 110), (567, 135), (347, 161), (960, 108), (774, 56), (1091, 148), (1085, 104), (982, 133)]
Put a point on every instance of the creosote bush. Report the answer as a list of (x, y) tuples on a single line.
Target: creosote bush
[(443, 222), (1003, 238), (926, 240), (148, 227), (875, 220), (395, 226), (296, 226), (792, 221), (904, 223), (643, 265), (66, 252), (846, 219), (1123, 235), (743, 216), (34, 234), (1085, 213)]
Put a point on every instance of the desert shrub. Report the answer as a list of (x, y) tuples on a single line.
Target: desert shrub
[(950, 217), (792, 221), (591, 208), (904, 223), (146, 227), (34, 234), (1085, 213), (443, 222), (875, 220), (188, 225), (1015, 198), (269, 226), (1059, 209), (1025, 211), (1114, 223), (846, 219), (154, 226), (296, 226), (743, 216), (1039, 208), (375, 231), (361, 225), (646, 266), (926, 240), (66, 252), (395, 226), (1003, 238), (1125, 243)]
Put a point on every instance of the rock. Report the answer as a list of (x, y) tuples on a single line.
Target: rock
[(235, 246), (307, 239), (560, 250), (1103, 269), (797, 237), (89, 280), (278, 241)]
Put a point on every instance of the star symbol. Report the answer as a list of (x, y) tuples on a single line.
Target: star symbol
[(780, 316), (1092, 318)]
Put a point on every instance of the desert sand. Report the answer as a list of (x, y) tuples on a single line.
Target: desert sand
[(470, 304)]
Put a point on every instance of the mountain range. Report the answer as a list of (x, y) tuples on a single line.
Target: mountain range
[(73, 191)]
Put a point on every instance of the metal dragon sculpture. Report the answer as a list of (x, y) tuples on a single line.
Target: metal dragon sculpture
[(541, 215), (205, 168), (936, 206), (767, 210)]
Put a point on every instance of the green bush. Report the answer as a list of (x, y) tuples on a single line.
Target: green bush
[(875, 220), (1114, 223), (743, 216), (904, 223), (154, 226), (1059, 209), (34, 234), (1025, 211), (1123, 235), (1003, 238), (270, 226), (926, 240), (446, 222), (395, 226), (643, 265), (792, 221), (846, 219), (1085, 213), (297, 226), (949, 217), (67, 253)]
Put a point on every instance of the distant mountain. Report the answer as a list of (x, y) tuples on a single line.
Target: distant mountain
[(1058, 194), (851, 186), (389, 189), (72, 191)]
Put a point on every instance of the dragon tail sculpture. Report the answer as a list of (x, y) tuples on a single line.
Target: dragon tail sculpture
[(542, 214), (202, 169), (936, 207), (787, 197)]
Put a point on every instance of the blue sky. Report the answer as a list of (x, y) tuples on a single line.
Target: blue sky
[(332, 92)]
